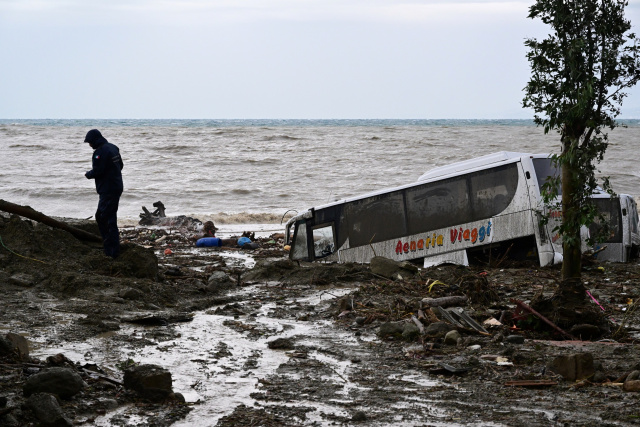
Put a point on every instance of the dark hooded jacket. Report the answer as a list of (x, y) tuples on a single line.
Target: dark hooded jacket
[(107, 164)]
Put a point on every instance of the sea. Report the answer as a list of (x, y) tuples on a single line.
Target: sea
[(251, 172)]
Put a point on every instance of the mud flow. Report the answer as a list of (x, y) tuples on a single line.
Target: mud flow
[(251, 338)]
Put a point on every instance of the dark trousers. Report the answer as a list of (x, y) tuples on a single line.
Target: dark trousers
[(106, 216)]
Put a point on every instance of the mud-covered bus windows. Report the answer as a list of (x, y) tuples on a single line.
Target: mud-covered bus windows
[(300, 249), (492, 190), (544, 169), (323, 241), (610, 210), (438, 205), (376, 218)]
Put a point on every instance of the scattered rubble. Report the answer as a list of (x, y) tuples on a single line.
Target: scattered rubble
[(482, 335)]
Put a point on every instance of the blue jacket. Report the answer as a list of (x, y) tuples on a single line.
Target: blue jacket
[(107, 167)]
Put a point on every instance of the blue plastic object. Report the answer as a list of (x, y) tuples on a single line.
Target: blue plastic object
[(243, 241), (209, 241)]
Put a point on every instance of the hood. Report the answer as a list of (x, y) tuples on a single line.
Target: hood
[(95, 138)]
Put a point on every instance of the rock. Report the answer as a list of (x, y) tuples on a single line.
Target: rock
[(359, 416), (360, 320), (452, 337), (391, 269), (585, 331), (63, 382), (281, 344), (345, 304), (438, 329), (131, 294), (633, 385), (8, 421), (152, 382), (391, 329), (218, 281), (634, 375), (573, 367), (8, 350), (177, 397), (22, 279), (58, 360), (108, 403), (410, 332), (20, 344), (599, 377), (47, 410), (515, 339), (108, 325)]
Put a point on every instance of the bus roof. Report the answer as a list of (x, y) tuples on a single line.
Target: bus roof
[(452, 169), (477, 162)]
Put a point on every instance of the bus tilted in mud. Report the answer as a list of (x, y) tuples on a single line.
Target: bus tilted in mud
[(474, 209)]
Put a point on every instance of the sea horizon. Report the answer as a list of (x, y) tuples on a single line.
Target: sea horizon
[(240, 171)]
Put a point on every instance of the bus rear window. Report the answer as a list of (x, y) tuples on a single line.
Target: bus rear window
[(610, 210)]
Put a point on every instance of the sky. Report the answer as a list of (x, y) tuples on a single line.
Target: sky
[(269, 59)]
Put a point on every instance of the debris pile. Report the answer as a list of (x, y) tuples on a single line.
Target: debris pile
[(484, 330)]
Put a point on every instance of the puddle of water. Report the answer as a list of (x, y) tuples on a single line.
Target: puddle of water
[(218, 366), (200, 371), (233, 258), (417, 379)]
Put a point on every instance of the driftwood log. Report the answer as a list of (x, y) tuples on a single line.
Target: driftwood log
[(29, 212)]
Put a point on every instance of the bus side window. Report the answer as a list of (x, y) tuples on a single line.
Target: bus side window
[(323, 241), (300, 250), (492, 191), (438, 205)]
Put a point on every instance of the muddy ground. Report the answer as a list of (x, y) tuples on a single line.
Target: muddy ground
[(362, 366)]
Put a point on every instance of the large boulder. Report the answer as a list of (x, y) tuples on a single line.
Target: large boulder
[(20, 344), (391, 329), (47, 410), (410, 332), (152, 382), (64, 382), (438, 329), (574, 366), (218, 281)]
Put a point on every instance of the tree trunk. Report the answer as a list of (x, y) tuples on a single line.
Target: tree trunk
[(29, 212), (571, 288)]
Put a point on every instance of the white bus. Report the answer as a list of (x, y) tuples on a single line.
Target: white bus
[(472, 209)]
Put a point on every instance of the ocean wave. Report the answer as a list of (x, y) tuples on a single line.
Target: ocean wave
[(263, 161), (281, 137), (174, 148), (222, 219), (36, 146), (242, 191), (248, 218)]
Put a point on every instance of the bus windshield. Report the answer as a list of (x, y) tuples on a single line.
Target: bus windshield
[(544, 169)]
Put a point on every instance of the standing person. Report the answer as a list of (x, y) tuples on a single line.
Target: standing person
[(107, 167)]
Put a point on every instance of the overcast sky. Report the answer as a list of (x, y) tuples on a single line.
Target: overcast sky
[(304, 59)]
